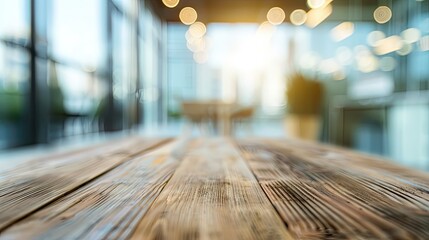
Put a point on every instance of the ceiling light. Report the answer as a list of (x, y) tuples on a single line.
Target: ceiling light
[(276, 16), (318, 3), (170, 3), (188, 15), (382, 14), (298, 17), (317, 16)]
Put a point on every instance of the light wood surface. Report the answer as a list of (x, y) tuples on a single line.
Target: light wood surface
[(330, 193), (34, 184), (212, 195), (213, 189), (108, 207)]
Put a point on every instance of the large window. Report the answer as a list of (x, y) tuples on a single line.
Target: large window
[(14, 72), (77, 67), (73, 67)]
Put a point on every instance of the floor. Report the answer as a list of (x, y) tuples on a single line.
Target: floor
[(254, 128)]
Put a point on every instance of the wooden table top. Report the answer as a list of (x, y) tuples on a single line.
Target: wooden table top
[(212, 189)]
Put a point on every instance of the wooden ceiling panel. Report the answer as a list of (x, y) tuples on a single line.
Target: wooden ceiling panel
[(233, 11)]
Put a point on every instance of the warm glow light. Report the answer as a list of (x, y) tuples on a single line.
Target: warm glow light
[(197, 30), (374, 37), (424, 43), (365, 61), (387, 64), (342, 31), (382, 14), (276, 16), (188, 15), (317, 16), (388, 45), (411, 35), (298, 17), (170, 3), (318, 3)]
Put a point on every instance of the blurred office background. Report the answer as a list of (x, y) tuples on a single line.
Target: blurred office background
[(79, 68)]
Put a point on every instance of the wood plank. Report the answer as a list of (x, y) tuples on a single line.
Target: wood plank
[(369, 164), (212, 195), (35, 184), (324, 192), (108, 207)]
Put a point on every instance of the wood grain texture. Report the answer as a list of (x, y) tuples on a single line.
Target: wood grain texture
[(212, 195), (108, 207), (328, 193), (207, 189), (37, 183)]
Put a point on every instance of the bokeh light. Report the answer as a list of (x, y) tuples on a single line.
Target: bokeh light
[(298, 17), (316, 3), (388, 45), (317, 16), (188, 15), (276, 16), (411, 35), (367, 63), (382, 14), (374, 37), (406, 49), (197, 30), (170, 3), (365, 60), (342, 31), (197, 45)]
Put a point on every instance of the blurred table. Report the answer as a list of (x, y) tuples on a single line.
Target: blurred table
[(216, 112), (212, 189)]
